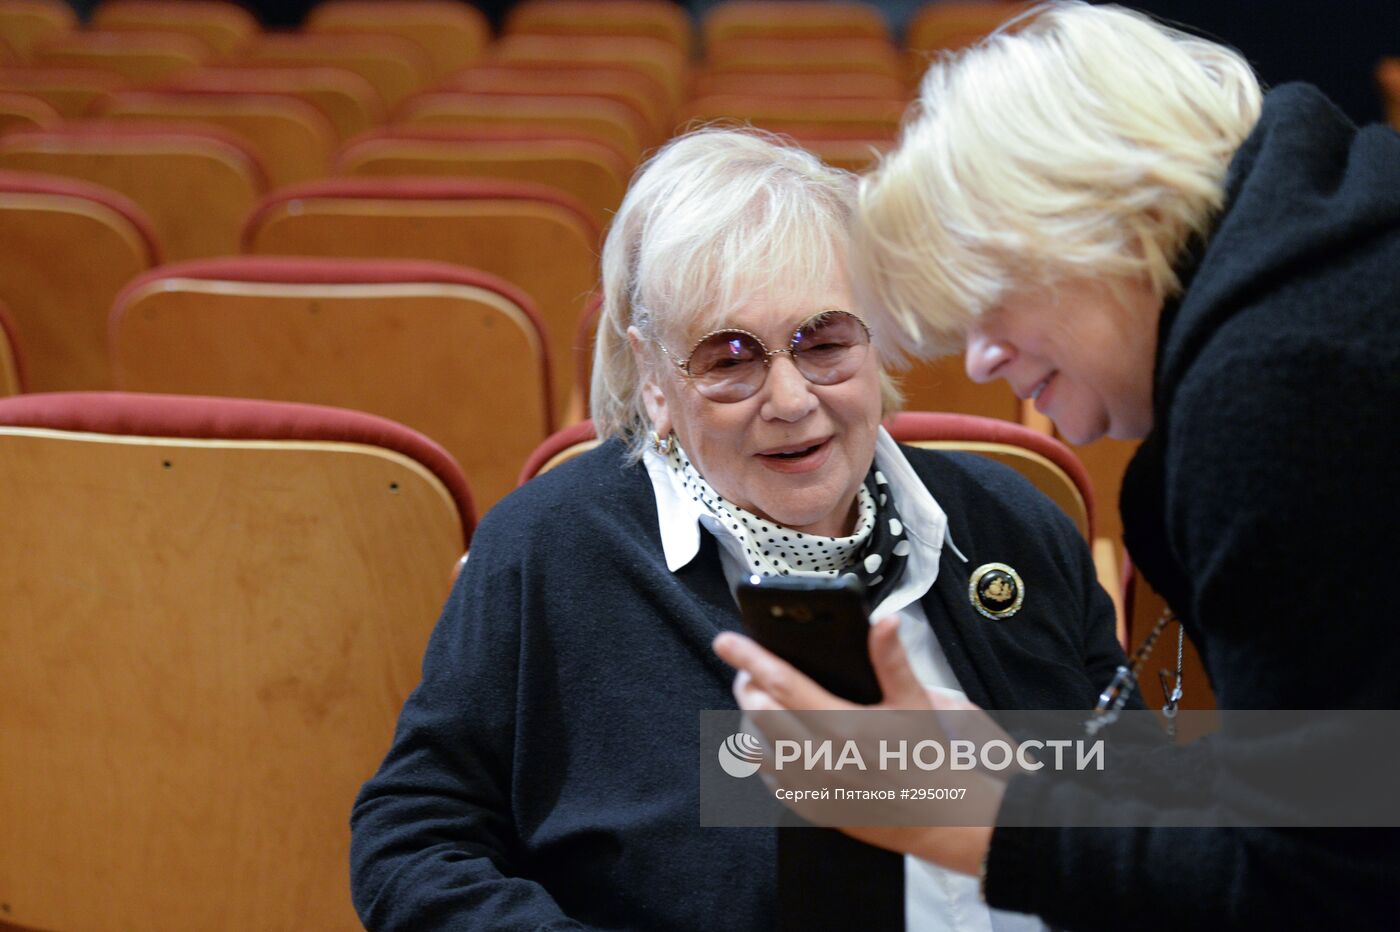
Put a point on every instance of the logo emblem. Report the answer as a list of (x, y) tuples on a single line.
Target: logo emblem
[(996, 591), (740, 755)]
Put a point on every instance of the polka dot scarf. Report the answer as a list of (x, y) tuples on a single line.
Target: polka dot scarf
[(875, 553)]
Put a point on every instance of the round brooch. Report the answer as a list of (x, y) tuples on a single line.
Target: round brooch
[(996, 591)]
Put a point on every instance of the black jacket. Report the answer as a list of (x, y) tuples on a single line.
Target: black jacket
[(544, 773), (1265, 507)]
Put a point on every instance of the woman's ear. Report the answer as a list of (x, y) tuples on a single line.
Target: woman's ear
[(653, 398)]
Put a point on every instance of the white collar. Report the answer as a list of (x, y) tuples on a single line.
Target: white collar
[(680, 517)]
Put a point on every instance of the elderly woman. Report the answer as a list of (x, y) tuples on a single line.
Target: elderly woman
[(1111, 216), (544, 774)]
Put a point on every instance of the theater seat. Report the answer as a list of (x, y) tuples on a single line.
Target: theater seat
[(533, 236), (591, 172), (222, 25), (196, 184), (25, 22), (292, 138), (213, 611), (455, 353), (66, 248), (454, 34)]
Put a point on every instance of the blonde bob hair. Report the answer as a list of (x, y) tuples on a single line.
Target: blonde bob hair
[(717, 218), (1078, 141)]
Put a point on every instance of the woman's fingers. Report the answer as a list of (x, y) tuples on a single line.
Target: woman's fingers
[(901, 688), (783, 684)]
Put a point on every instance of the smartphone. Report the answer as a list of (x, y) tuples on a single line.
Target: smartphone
[(819, 625)]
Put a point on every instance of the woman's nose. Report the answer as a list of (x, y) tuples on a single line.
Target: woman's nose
[(790, 395), (986, 357)]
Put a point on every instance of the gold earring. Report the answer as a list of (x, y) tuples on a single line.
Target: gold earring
[(662, 446)]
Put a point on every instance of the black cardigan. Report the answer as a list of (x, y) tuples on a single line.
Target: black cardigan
[(1265, 506), (544, 771)]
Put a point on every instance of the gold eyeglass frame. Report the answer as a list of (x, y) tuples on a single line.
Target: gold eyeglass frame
[(790, 350)]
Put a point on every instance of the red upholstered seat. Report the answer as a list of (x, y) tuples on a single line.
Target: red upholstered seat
[(192, 417), (928, 428), (560, 446)]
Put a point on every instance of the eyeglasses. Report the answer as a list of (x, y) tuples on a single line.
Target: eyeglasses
[(732, 365)]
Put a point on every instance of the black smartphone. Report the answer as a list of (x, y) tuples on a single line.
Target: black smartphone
[(819, 625)]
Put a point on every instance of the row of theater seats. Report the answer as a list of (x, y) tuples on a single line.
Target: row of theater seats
[(568, 97), (213, 611), (203, 186)]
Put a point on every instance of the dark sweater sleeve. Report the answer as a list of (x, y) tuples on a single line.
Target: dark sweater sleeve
[(1298, 443), (433, 843)]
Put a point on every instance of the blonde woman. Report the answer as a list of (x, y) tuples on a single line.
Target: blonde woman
[(1113, 217)]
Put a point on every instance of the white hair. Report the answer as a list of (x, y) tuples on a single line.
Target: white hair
[(1078, 141), (717, 218)]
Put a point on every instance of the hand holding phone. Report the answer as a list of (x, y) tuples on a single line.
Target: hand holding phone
[(819, 625)]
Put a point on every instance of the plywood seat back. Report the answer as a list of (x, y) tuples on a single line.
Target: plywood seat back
[(627, 87), (658, 60), (66, 249), (213, 613), (349, 101), (25, 22), (11, 356), (853, 153), (757, 19), (25, 111), (453, 34), (943, 385), (137, 56), (195, 186), (73, 92), (1388, 80), (608, 121), (651, 19), (292, 138), (395, 66), (868, 119), (534, 237), (592, 173), (811, 56), (949, 26), (454, 353), (781, 84), (221, 25)]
